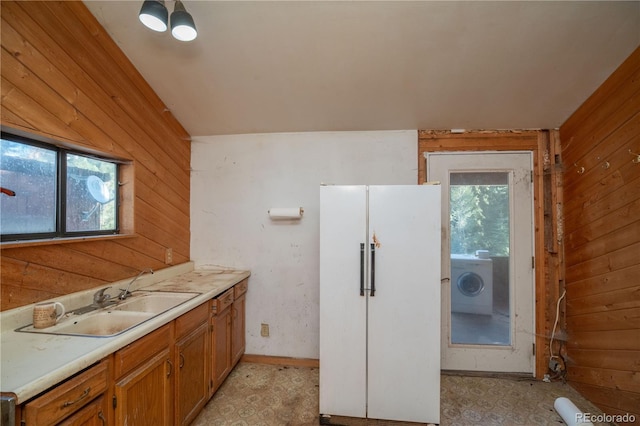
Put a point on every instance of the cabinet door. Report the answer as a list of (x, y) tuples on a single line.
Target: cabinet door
[(93, 414), (144, 396), (221, 346), (192, 383), (238, 338)]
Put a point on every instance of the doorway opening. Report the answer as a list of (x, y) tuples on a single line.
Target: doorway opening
[(487, 251)]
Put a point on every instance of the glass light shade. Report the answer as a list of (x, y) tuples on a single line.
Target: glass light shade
[(182, 26), (154, 15)]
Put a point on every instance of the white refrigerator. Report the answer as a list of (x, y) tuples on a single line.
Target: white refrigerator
[(380, 302)]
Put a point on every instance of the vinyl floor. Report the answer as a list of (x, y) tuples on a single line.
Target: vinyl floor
[(268, 395)]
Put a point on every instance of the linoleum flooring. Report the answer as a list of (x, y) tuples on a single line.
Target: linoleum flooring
[(268, 395)]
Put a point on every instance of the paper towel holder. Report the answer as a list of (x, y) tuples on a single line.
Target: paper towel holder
[(285, 213)]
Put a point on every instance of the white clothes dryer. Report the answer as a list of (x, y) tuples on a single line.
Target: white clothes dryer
[(471, 284)]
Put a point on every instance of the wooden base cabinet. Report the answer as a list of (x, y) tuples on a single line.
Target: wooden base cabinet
[(227, 332), (221, 323), (191, 360), (238, 340), (144, 380), (163, 378)]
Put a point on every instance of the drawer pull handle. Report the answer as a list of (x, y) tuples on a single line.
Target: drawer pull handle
[(80, 398), (181, 360), (170, 368), (101, 417)]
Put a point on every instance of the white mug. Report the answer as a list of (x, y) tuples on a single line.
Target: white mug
[(45, 314)]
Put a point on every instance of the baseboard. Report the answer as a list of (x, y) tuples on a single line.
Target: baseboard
[(281, 360), (489, 374)]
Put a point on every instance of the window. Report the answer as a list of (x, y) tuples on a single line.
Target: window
[(50, 192), (479, 212)]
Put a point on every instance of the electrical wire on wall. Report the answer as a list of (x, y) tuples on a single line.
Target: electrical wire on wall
[(556, 362)]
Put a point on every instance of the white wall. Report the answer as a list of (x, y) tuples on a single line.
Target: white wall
[(234, 182)]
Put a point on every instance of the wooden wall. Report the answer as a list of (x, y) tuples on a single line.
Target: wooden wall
[(64, 78), (602, 242)]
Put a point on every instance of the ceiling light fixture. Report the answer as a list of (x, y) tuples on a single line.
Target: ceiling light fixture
[(154, 15), (182, 26)]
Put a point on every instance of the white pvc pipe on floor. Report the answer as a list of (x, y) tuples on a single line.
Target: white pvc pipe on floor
[(571, 414)]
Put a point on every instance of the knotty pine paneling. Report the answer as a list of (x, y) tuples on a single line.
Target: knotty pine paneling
[(595, 358), (611, 401), (619, 319), (626, 298), (64, 78), (602, 286), (602, 228), (605, 108)]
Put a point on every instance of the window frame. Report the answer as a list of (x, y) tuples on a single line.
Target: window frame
[(61, 153)]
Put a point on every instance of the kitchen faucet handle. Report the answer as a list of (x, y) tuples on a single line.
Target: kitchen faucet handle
[(99, 296), (100, 293)]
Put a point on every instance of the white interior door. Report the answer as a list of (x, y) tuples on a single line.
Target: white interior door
[(487, 260), (404, 313), (343, 215)]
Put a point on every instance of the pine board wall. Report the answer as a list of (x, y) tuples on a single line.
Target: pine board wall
[(65, 79), (602, 242)]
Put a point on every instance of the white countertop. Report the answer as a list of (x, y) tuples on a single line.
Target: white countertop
[(32, 362)]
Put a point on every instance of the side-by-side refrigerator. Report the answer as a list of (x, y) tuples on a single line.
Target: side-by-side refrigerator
[(380, 302)]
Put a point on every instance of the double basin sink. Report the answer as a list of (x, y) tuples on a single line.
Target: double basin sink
[(116, 318)]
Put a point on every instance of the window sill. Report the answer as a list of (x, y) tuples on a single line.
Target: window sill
[(55, 241)]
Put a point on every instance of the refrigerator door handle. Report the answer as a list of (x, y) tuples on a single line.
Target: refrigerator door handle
[(361, 269), (373, 270)]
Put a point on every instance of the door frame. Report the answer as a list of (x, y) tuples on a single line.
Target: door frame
[(545, 146), (517, 356)]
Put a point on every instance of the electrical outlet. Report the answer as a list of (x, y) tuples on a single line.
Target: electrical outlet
[(556, 365), (264, 330), (168, 256)]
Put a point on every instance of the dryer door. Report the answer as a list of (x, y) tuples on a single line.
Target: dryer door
[(470, 284)]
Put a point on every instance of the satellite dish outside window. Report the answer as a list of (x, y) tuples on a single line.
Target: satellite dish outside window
[(98, 189)]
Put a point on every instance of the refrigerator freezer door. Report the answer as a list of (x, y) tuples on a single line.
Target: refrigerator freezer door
[(404, 315), (343, 211)]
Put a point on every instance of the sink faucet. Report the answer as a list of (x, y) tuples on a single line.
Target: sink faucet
[(124, 292), (100, 299)]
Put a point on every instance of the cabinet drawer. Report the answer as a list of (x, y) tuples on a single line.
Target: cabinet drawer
[(191, 320), (240, 288), (129, 357), (221, 302), (69, 397)]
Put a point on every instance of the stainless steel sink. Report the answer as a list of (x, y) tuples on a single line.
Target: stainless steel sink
[(116, 319)]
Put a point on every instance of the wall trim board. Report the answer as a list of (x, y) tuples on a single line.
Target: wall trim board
[(281, 360)]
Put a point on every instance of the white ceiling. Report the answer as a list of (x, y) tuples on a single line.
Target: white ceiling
[(291, 66)]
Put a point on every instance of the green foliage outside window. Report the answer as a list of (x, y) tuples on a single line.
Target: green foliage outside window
[(479, 219)]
